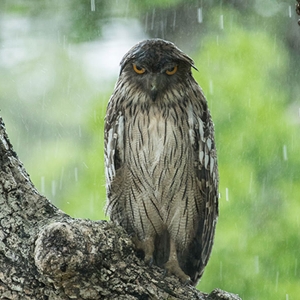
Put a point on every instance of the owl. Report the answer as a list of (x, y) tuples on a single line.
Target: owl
[(160, 159)]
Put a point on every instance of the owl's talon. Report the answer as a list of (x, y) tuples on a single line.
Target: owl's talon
[(172, 268), (147, 246), (188, 282), (150, 262), (165, 273)]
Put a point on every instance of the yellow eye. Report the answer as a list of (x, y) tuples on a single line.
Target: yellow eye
[(172, 71), (138, 70)]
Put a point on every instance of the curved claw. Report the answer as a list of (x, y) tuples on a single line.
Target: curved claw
[(150, 261), (165, 274), (172, 267), (188, 282), (147, 246), (131, 234)]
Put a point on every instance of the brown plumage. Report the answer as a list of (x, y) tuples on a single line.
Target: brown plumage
[(161, 163)]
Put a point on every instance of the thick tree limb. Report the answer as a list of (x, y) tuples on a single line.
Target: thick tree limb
[(46, 254)]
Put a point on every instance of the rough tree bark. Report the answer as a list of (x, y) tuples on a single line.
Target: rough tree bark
[(46, 254)]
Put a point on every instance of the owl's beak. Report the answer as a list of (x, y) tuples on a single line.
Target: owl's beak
[(153, 92), (153, 86)]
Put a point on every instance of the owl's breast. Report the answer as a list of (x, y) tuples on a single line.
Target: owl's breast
[(158, 149), (157, 137)]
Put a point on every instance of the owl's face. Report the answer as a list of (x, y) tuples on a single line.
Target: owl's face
[(155, 66)]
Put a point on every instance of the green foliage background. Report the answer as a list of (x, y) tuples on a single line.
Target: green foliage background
[(246, 70)]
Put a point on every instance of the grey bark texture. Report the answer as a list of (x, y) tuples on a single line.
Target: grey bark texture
[(46, 254)]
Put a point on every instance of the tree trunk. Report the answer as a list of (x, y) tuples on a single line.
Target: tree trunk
[(46, 254)]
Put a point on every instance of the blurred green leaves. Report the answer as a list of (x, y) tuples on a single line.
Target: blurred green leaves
[(88, 194), (255, 249)]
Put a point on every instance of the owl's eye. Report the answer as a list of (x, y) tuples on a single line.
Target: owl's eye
[(138, 70), (172, 70)]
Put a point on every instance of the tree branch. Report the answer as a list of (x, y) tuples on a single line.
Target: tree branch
[(46, 254)]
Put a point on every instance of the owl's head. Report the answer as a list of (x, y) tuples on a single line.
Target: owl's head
[(155, 66)]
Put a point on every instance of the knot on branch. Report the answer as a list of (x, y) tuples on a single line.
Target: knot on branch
[(63, 250), (218, 294)]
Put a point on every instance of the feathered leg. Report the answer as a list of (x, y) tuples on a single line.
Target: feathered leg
[(172, 265)]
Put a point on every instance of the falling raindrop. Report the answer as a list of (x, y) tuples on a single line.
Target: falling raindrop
[(152, 21), (76, 174), (284, 153), (61, 178), (64, 42), (162, 29), (256, 264), (221, 271), (69, 85), (290, 11), (95, 116), (79, 131), (53, 188), (200, 18), (174, 20), (251, 182), (42, 185), (93, 5), (222, 22), (92, 202), (127, 8), (276, 283), (146, 22), (226, 194), (211, 88)]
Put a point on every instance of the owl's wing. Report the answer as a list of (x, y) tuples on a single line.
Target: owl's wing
[(115, 171), (207, 175), (113, 143)]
